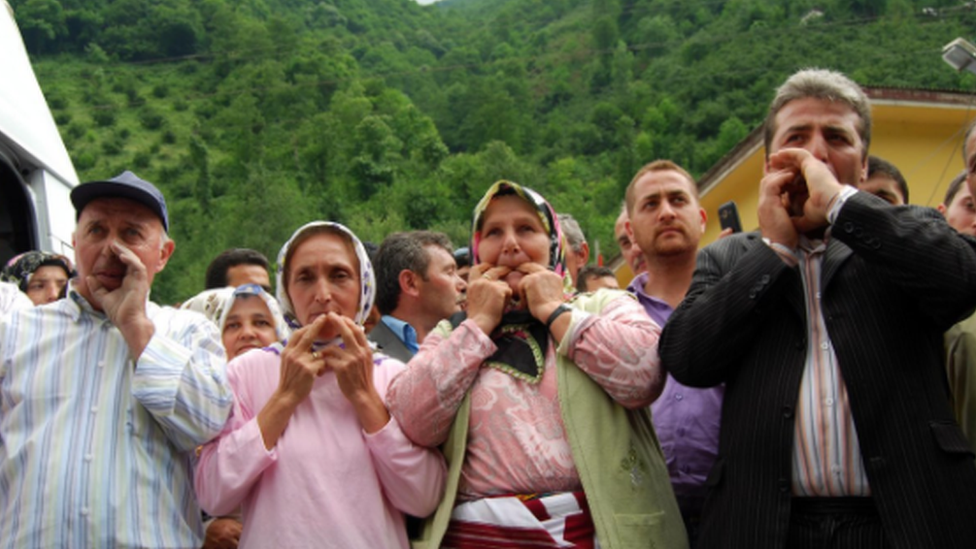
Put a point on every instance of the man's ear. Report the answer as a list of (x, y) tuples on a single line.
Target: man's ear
[(584, 254), (408, 283), (165, 252)]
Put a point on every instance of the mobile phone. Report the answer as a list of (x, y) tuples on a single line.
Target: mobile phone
[(728, 217)]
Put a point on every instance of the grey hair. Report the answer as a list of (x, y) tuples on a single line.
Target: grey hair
[(573, 232), (820, 84)]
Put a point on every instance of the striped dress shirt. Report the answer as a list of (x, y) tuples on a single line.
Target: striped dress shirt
[(95, 451), (11, 298), (826, 455), (827, 460)]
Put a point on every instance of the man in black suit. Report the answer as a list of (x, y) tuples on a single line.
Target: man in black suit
[(417, 286), (826, 327)]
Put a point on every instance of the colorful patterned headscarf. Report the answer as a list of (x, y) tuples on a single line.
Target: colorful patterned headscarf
[(521, 340), (19, 269), (557, 241), (217, 303), (367, 281)]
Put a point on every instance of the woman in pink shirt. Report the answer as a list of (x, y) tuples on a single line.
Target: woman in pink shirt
[(310, 451)]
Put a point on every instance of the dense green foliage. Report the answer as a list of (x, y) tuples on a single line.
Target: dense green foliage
[(255, 116)]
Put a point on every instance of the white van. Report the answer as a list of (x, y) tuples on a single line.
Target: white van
[(36, 174)]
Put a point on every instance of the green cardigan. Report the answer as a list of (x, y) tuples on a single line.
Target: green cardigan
[(615, 450)]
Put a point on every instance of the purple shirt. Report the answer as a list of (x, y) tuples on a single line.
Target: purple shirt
[(686, 419)]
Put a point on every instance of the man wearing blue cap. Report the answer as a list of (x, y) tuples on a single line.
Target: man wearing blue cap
[(105, 395)]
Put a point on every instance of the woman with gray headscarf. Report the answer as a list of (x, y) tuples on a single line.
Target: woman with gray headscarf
[(311, 451)]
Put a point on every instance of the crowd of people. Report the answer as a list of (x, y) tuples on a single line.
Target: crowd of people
[(809, 384)]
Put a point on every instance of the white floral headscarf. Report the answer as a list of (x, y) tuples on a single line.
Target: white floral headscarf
[(367, 281), (216, 305)]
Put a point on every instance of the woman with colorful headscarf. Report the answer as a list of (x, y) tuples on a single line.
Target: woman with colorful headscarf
[(310, 449), (247, 316), (539, 400), (43, 276)]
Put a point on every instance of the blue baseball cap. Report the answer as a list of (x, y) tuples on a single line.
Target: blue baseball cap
[(125, 185)]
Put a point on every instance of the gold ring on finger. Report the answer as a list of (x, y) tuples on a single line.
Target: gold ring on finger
[(315, 355)]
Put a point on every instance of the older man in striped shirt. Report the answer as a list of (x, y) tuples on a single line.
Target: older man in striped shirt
[(104, 395)]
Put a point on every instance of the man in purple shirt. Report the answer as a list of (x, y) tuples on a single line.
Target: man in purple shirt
[(666, 222)]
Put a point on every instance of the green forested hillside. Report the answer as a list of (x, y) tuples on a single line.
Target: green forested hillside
[(255, 116)]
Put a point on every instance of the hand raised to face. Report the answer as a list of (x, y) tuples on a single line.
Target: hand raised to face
[(821, 186), (775, 221), (127, 301), (352, 363), (541, 289), (795, 195), (487, 295), (125, 306), (299, 364)]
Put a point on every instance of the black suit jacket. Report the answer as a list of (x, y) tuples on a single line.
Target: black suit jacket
[(389, 343), (893, 280)]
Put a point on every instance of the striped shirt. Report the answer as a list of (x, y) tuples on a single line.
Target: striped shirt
[(11, 298), (827, 460), (826, 454), (95, 451)]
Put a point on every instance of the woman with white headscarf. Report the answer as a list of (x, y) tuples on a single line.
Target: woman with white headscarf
[(310, 450), (247, 316)]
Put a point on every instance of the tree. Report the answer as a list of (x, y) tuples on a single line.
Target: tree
[(42, 23), (177, 29), (376, 155), (199, 156)]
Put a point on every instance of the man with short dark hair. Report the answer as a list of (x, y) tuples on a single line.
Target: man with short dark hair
[(594, 277), (104, 396), (667, 223), (826, 328), (885, 181), (958, 207), (236, 267), (462, 261), (417, 286)]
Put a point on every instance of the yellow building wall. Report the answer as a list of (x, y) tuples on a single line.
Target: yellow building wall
[(624, 275), (923, 141)]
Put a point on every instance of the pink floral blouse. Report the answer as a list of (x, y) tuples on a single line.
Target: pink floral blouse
[(517, 442)]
